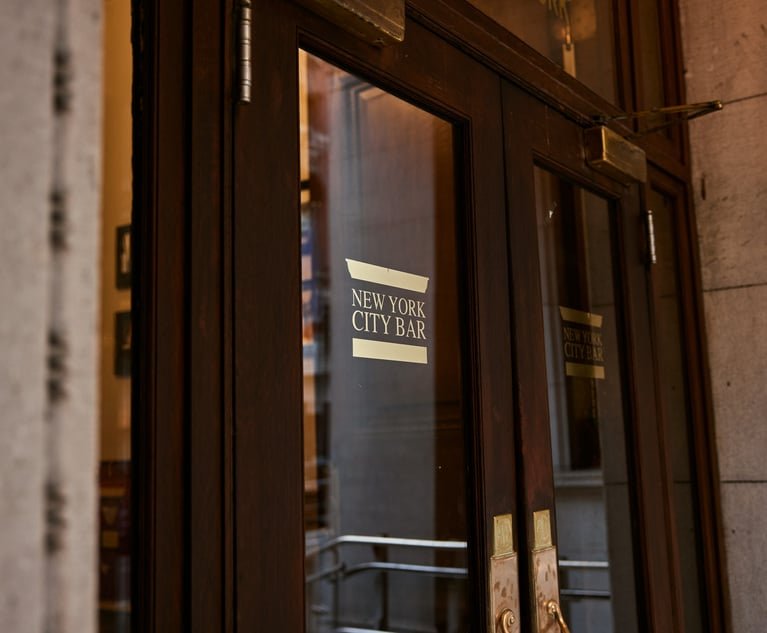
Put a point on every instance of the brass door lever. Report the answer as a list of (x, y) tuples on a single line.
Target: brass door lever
[(556, 612)]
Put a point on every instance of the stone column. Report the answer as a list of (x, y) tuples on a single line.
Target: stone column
[(725, 48), (50, 161)]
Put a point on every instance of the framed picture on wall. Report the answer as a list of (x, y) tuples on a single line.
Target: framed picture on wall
[(122, 343), (123, 262)]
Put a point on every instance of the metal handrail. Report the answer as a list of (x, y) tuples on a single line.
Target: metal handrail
[(339, 570), (584, 564), (356, 539), (431, 570)]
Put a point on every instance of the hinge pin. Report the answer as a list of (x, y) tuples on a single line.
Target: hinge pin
[(651, 237), (244, 48)]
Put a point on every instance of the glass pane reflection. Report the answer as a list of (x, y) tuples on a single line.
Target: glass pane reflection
[(384, 471), (673, 392), (575, 34), (586, 407)]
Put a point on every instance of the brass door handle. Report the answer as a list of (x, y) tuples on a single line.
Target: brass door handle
[(505, 620), (552, 606)]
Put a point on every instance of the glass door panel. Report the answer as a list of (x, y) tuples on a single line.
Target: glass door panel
[(586, 406), (385, 496), (675, 401)]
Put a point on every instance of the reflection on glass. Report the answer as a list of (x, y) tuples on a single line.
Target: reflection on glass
[(115, 455), (651, 64), (585, 389), (674, 402), (384, 471), (575, 34)]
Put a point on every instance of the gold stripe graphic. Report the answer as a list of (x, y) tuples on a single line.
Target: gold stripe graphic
[(576, 370), (386, 276), (584, 318), (380, 350)]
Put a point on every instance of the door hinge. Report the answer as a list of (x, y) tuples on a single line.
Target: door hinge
[(652, 256), (244, 68)]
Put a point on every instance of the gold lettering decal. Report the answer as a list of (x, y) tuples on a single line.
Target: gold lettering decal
[(388, 315), (582, 344)]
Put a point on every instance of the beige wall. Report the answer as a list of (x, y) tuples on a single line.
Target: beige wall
[(116, 211), (725, 47)]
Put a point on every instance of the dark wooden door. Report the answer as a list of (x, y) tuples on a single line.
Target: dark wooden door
[(440, 317), (380, 306), (591, 450), (373, 414)]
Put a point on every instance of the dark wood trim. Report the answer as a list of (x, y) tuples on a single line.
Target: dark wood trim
[(524, 121), (208, 110), (470, 30), (658, 613), (665, 147), (527, 144), (701, 431), (229, 624), (267, 362), (625, 58), (428, 72), (467, 28), (705, 438), (159, 355), (215, 187)]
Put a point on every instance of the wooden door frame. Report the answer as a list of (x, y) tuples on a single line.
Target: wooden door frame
[(428, 72), (184, 303), (181, 392), (530, 126), (701, 429)]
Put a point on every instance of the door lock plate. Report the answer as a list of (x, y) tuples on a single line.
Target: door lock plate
[(544, 573), (504, 579)]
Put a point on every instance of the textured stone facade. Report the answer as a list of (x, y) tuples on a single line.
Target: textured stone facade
[(725, 48), (50, 130)]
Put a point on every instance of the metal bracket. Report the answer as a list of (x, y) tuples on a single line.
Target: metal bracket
[(610, 153), (686, 112)]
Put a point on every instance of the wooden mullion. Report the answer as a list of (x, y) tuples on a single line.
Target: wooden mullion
[(159, 355), (206, 433)]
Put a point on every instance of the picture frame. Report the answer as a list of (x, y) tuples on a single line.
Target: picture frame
[(123, 262)]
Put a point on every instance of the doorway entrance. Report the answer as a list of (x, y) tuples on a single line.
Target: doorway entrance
[(454, 363), (403, 354)]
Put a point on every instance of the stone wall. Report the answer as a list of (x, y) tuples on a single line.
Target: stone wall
[(50, 129), (725, 47)]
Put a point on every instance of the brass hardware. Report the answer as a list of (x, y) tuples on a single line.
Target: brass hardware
[(543, 572), (613, 155), (503, 535), (582, 344), (692, 110), (506, 621), (685, 112), (542, 527), (378, 22), (545, 587), (556, 612), (244, 45), (504, 579), (651, 238)]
